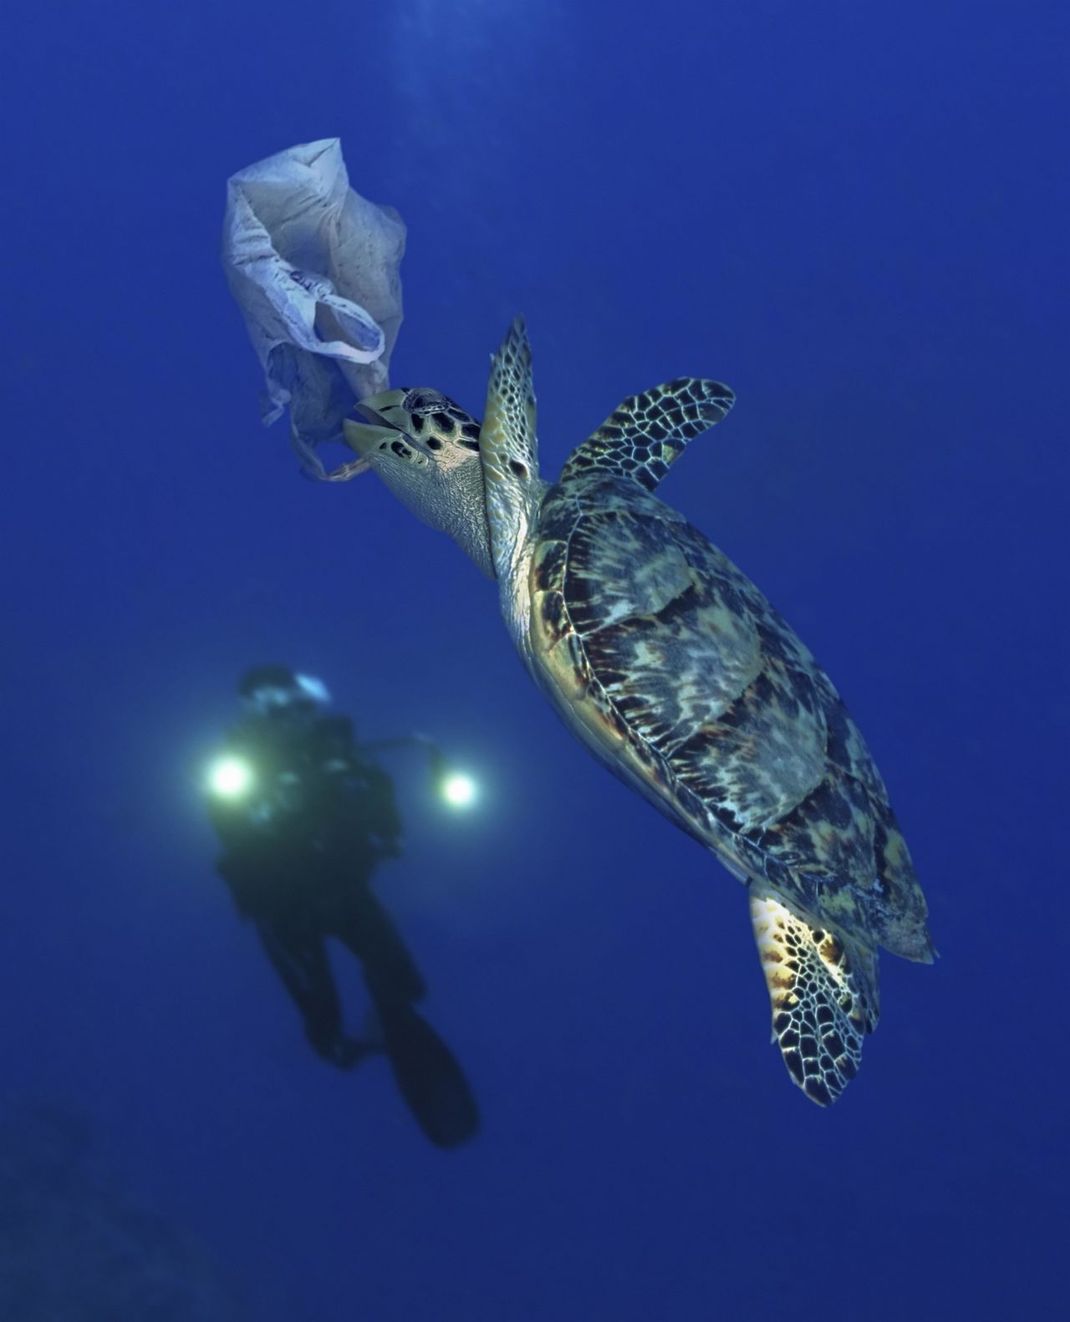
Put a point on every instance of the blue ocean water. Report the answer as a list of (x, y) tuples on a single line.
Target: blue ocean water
[(855, 216)]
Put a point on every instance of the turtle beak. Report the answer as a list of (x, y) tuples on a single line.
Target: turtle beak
[(388, 417)]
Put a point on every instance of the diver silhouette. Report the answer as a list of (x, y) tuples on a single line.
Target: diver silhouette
[(304, 819)]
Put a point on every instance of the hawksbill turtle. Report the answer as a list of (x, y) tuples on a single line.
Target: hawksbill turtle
[(670, 665)]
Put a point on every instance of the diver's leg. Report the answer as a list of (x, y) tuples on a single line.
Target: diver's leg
[(390, 972), (427, 1074), (299, 957)]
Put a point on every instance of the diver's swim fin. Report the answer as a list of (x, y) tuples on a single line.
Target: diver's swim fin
[(429, 1077)]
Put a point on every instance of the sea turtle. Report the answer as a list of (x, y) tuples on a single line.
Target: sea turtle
[(670, 665)]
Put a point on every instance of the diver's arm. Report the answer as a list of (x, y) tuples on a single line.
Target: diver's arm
[(366, 784), (382, 810), (241, 875)]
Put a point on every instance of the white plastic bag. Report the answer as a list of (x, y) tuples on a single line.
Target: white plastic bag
[(314, 268)]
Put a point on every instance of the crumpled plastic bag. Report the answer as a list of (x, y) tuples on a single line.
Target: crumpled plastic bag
[(314, 269)]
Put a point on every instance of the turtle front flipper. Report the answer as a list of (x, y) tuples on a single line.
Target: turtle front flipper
[(509, 450), (823, 992), (647, 433)]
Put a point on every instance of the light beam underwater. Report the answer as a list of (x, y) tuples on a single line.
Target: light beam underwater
[(230, 777), (459, 790)]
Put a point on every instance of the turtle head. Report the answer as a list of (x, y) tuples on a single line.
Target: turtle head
[(426, 449)]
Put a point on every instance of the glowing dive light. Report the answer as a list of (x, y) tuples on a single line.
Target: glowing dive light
[(230, 777), (459, 790)]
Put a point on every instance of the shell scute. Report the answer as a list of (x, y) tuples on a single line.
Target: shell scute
[(740, 734), (548, 564), (765, 754), (553, 616), (669, 648)]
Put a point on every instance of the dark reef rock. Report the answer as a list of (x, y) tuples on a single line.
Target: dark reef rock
[(75, 1246)]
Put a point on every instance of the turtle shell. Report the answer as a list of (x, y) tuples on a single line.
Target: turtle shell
[(677, 671)]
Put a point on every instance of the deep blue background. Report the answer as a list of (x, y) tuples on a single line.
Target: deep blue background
[(856, 216)]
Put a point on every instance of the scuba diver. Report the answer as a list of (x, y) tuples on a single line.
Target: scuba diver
[(304, 817)]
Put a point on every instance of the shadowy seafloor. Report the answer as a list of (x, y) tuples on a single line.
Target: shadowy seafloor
[(76, 1245)]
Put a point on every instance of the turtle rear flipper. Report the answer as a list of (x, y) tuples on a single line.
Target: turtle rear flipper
[(647, 433), (823, 992)]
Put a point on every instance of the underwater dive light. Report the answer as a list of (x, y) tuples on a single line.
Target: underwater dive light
[(458, 789), (230, 777)]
